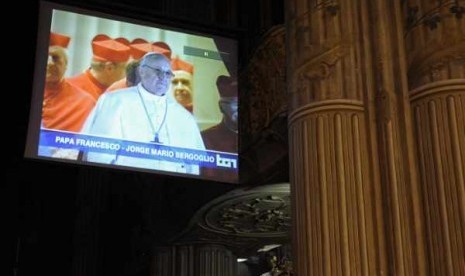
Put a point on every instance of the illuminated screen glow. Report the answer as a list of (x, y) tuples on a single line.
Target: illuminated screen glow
[(122, 127)]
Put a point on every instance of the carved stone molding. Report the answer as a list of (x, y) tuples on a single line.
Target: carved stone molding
[(324, 63), (321, 66), (263, 211), (241, 246), (434, 40), (244, 219), (429, 64), (264, 79), (323, 106), (437, 89), (427, 14), (256, 215)]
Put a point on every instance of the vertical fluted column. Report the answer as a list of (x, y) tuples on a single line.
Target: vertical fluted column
[(354, 182), (398, 167), (212, 260), (163, 263), (336, 229), (334, 212), (90, 197), (193, 260), (436, 52)]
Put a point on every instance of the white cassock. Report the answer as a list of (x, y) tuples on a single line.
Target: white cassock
[(134, 114)]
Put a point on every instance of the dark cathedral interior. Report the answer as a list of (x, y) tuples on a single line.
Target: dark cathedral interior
[(73, 220), (351, 144)]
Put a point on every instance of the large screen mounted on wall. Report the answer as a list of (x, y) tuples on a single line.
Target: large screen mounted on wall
[(131, 94)]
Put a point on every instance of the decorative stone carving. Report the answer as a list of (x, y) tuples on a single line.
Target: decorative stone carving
[(264, 80), (264, 211), (321, 66), (435, 41), (268, 214), (428, 65), (244, 219)]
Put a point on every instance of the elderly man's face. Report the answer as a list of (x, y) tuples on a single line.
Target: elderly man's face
[(155, 75), (56, 65), (115, 71), (182, 87)]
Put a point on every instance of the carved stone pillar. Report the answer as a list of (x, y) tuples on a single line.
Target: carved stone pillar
[(90, 198), (239, 223), (435, 35), (193, 260), (353, 173)]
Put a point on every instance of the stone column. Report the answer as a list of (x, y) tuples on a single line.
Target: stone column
[(87, 257), (353, 172), (435, 36), (193, 260)]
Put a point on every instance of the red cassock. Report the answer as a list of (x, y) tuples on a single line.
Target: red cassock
[(65, 107), (89, 84), (220, 138)]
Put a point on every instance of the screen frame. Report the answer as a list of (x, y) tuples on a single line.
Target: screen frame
[(44, 24)]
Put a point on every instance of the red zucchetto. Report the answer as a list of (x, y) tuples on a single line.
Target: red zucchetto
[(179, 64), (59, 40), (107, 49)]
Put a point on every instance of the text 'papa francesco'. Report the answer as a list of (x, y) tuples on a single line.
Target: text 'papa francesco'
[(87, 143)]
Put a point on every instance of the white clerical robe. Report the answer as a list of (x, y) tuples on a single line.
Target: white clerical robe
[(134, 114)]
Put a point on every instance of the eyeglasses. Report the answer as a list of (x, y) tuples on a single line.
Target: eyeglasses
[(160, 73)]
